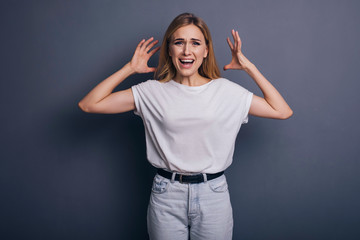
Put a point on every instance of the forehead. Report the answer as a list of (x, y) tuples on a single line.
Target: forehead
[(188, 32)]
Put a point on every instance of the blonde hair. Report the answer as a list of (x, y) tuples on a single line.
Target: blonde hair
[(165, 70)]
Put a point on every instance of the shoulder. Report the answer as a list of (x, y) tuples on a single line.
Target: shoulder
[(147, 83), (149, 86), (230, 85), (162, 81)]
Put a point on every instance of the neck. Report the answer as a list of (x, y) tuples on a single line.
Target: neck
[(194, 80)]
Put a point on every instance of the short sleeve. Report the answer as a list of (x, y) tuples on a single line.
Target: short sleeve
[(135, 92), (145, 97), (248, 100), (241, 99)]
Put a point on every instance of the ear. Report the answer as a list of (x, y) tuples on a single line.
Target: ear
[(206, 52)]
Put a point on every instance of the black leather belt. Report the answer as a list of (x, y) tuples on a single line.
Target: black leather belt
[(198, 178)]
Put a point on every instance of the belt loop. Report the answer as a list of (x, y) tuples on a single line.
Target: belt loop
[(173, 177), (205, 177)]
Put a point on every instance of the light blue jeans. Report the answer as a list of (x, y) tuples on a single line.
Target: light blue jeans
[(182, 210)]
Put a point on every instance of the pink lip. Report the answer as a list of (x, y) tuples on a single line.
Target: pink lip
[(186, 66)]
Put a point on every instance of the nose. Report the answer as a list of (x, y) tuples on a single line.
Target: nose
[(186, 49)]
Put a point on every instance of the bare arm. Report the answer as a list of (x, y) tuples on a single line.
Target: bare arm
[(273, 104), (102, 100)]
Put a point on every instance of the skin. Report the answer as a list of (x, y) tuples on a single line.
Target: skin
[(101, 99), (188, 42), (273, 104)]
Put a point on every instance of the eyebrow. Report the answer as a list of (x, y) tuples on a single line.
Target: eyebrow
[(191, 39)]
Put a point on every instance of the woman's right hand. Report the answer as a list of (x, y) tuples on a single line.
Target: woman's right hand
[(139, 62)]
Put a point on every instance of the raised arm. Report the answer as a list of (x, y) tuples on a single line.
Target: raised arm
[(102, 100), (272, 105)]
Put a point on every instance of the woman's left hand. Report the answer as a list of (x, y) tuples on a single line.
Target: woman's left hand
[(238, 61)]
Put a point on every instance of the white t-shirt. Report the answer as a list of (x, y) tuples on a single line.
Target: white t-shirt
[(191, 129)]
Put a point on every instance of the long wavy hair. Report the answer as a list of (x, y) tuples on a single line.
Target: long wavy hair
[(166, 70)]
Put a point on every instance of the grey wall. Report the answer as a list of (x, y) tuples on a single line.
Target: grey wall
[(65, 174)]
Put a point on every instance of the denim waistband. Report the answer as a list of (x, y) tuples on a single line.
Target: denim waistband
[(182, 178)]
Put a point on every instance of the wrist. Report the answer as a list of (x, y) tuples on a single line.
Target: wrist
[(129, 69), (249, 67)]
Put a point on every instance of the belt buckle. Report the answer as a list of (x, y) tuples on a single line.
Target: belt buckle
[(180, 178)]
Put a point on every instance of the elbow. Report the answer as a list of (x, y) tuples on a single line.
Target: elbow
[(287, 115), (83, 107)]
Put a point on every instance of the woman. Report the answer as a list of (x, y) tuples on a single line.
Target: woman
[(191, 117)]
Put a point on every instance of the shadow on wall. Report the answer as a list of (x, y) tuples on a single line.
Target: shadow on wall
[(107, 152)]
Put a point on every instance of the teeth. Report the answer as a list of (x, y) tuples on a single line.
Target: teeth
[(187, 61)]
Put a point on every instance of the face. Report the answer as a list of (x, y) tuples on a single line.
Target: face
[(187, 49)]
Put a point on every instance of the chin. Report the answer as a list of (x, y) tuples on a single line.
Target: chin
[(187, 72)]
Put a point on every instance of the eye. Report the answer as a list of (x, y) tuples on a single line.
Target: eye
[(196, 43), (177, 43)]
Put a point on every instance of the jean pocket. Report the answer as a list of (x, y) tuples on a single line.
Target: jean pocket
[(218, 184), (160, 184)]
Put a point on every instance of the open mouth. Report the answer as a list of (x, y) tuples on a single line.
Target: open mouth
[(186, 62)]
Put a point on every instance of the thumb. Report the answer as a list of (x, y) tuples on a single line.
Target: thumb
[(151, 69), (226, 67)]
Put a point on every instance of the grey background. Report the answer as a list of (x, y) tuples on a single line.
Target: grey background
[(66, 174)]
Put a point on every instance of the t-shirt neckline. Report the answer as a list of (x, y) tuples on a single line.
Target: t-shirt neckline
[(172, 81)]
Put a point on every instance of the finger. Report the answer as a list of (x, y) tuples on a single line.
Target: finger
[(239, 40), (153, 51), (235, 39), (226, 67), (140, 43), (151, 45), (152, 69), (147, 41), (230, 44)]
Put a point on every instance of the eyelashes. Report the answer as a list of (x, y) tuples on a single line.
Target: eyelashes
[(180, 43)]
